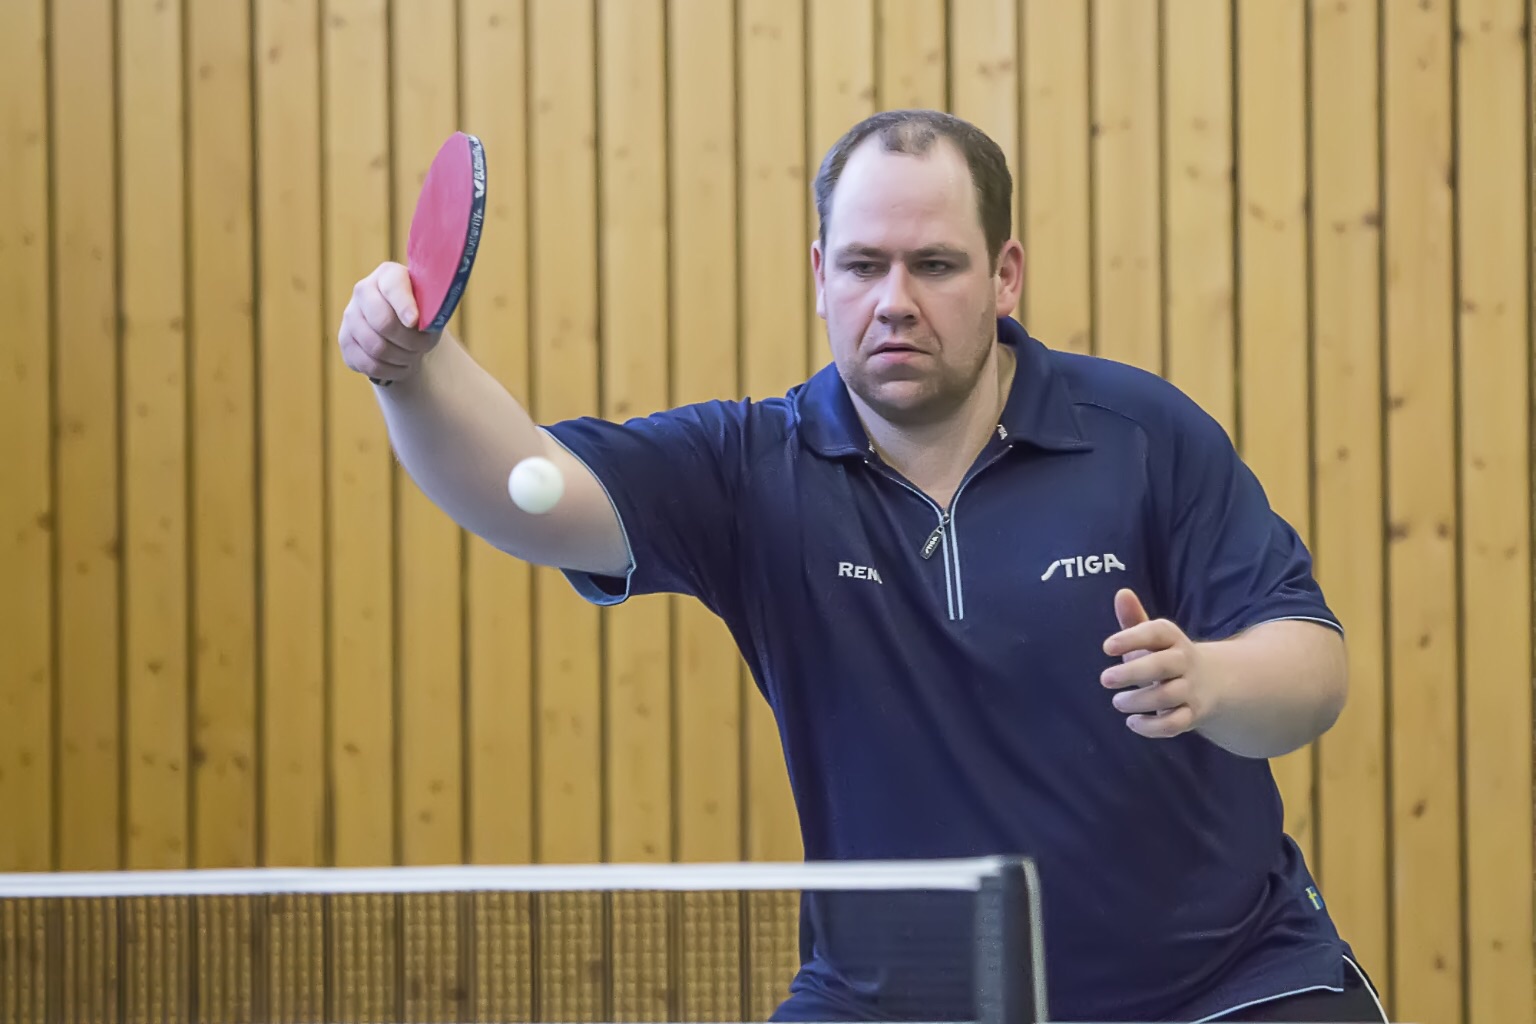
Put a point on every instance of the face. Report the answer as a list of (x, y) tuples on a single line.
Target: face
[(904, 284)]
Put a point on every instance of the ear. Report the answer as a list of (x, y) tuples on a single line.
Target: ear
[(1009, 278), (819, 272)]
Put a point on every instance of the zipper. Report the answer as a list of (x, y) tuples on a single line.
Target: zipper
[(935, 539), (953, 534), (932, 543), (944, 537)]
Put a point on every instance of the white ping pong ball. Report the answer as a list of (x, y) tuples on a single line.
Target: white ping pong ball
[(535, 485)]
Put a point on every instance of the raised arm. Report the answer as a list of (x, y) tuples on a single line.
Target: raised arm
[(458, 433)]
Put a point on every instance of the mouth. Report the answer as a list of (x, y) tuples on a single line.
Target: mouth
[(886, 347)]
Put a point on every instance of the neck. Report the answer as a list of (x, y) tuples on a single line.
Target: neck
[(936, 456)]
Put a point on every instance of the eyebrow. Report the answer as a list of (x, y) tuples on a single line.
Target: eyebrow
[(926, 252)]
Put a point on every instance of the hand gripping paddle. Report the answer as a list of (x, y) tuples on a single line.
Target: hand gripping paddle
[(445, 231)]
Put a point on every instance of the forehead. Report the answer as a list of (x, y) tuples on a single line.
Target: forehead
[(889, 199)]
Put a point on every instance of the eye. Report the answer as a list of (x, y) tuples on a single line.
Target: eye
[(862, 268), (935, 266)]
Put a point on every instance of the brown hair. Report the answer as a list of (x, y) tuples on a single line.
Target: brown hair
[(914, 132)]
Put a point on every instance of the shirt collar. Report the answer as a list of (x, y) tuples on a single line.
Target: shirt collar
[(1039, 409)]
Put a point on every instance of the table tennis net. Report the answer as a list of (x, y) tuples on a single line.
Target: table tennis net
[(604, 942)]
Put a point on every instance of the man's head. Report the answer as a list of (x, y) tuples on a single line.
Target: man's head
[(915, 260)]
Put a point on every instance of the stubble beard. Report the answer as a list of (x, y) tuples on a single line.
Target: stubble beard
[(939, 394)]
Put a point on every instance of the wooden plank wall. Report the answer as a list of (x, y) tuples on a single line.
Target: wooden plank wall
[(235, 634)]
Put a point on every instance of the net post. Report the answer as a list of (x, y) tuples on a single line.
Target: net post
[(1009, 962)]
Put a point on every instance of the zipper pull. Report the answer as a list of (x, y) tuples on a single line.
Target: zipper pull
[(932, 543)]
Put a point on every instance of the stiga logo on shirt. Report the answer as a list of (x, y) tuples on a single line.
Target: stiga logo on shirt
[(1084, 565)]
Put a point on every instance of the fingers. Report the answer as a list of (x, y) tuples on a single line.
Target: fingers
[(377, 336), (1155, 692), (369, 360), (1154, 636), (1153, 698), (381, 312), (1156, 696), (1128, 609), (395, 286), (1164, 726), (1151, 667)]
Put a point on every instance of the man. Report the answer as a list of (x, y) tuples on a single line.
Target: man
[(1001, 600)]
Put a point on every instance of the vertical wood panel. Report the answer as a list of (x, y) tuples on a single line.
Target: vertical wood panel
[(705, 366), (1493, 182), (911, 53), (360, 511), (294, 349), (27, 679), (1128, 306), (1052, 190), (499, 716), (1352, 864), (1197, 176), (424, 93), (563, 256), (1422, 514), (774, 266), (223, 367), (81, 65), (499, 708), (635, 316), (1272, 287), (155, 451)]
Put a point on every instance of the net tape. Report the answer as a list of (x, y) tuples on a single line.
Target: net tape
[(957, 874)]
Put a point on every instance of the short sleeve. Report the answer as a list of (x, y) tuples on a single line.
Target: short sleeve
[(672, 480), (1232, 562)]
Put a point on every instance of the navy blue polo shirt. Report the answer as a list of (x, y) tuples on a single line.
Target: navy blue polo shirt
[(935, 677)]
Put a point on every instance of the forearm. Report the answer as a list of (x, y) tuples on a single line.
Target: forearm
[(458, 433), (1278, 687)]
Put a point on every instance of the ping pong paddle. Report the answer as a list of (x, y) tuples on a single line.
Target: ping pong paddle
[(445, 231)]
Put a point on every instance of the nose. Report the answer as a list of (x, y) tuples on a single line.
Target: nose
[(896, 307)]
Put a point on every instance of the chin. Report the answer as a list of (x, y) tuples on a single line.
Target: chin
[(909, 402)]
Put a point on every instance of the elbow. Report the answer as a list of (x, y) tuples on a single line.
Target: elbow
[(1333, 679), (1331, 707)]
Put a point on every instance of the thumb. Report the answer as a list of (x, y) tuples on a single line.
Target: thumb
[(395, 285), (1128, 609)]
